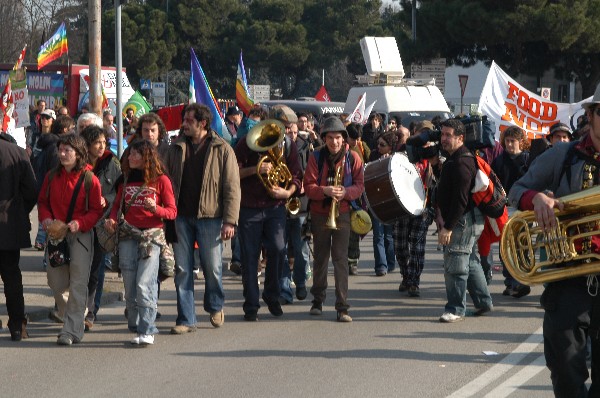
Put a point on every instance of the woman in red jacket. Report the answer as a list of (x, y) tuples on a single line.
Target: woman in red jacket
[(145, 196), (54, 201)]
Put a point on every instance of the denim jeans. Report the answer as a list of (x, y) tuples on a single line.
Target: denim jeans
[(41, 236), (462, 267), (293, 237), (105, 263), (141, 290), (383, 246), (262, 227), (207, 232)]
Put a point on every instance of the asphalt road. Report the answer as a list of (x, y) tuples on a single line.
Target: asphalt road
[(394, 348)]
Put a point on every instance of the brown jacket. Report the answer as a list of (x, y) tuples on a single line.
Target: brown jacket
[(220, 196)]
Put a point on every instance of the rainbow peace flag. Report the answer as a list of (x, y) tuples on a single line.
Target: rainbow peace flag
[(242, 95), (54, 48), (201, 93)]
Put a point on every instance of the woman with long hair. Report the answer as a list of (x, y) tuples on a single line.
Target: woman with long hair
[(68, 208), (144, 197)]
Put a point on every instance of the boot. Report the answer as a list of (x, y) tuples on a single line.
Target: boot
[(20, 332)]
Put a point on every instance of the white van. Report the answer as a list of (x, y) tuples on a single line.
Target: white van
[(409, 99)]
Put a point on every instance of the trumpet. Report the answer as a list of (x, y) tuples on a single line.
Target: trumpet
[(533, 255), (334, 210), (267, 136)]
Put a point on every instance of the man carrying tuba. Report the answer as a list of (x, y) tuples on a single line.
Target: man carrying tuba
[(571, 312), (334, 177), (263, 206)]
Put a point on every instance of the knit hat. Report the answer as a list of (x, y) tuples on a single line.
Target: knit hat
[(333, 124)]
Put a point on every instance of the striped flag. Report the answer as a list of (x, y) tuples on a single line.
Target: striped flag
[(201, 93), (21, 58), (242, 95), (54, 48)]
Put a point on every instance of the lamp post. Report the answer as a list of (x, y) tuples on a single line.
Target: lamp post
[(119, 65), (414, 21)]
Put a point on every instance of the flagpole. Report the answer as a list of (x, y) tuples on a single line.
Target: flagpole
[(323, 79)]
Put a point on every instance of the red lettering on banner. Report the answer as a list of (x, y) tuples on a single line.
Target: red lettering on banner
[(549, 111), (534, 107), (513, 91)]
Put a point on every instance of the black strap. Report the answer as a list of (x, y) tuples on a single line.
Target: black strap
[(128, 205), (74, 197)]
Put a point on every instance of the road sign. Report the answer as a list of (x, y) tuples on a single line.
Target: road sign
[(260, 92), (546, 93), (436, 68), (145, 84), (462, 80)]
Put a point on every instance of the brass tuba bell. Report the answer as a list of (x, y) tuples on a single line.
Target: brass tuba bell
[(267, 136), (533, 255)]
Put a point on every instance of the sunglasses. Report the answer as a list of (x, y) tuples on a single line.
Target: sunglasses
[(46, 117)]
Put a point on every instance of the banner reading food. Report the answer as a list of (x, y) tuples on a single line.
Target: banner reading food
[(509, 104)]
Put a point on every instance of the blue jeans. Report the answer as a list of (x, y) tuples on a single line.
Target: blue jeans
[(141, 289), (462, 267), (383, 246), (104, 263), (293, 234), (257, 228), (207, 232), (41, 236)]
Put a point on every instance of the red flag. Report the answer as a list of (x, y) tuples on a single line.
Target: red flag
[(322, 95), (21, 58)]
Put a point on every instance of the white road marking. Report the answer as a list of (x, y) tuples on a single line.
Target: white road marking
[(514, 382), (496, 371)]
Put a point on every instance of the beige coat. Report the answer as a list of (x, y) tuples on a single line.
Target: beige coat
[(221, 194)]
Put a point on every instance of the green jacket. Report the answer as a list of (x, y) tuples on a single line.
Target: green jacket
[(221, 194)]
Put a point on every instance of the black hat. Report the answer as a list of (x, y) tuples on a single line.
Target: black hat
[(233, 110), (354, 130), (560, 127), (333, 123)]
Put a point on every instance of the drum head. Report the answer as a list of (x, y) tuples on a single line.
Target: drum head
[(407, 184)]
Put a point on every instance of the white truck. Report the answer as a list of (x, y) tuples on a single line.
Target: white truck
[(408, 99)]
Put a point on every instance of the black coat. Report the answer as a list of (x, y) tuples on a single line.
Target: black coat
[(18, 195)]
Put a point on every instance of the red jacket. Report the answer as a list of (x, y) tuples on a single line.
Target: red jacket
[(162, 193), (56, 205)]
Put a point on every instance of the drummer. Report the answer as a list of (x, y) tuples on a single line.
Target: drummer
[(383, 240)]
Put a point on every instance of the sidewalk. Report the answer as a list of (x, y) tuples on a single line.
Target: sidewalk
[(38, 296)]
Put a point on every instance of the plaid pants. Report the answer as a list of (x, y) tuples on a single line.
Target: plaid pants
[(409, 244)]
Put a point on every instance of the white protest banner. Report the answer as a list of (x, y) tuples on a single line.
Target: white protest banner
[(507, 103), (20, 97)]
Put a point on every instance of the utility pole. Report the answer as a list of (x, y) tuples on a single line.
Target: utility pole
[(95, 62), (119, 62), (414, 21)]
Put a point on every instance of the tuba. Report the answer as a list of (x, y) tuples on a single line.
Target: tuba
[(267, 136), (535, 256)]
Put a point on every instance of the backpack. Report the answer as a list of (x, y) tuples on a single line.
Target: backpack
[(488, 194), (87, 184)]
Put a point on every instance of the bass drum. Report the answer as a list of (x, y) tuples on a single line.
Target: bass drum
[(393, 188)]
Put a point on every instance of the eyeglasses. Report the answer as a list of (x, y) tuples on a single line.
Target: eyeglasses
[(393, 123)]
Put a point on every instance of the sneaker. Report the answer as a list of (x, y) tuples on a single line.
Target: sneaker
[(381, 272), (414, 291), (449, 317), (521, 291), (38, 246), (88, 324), (217, 318), (182, 329), (235, 267), (251, 316), (146, 339), (301, 293), (135, 340), (63, 339), (342, 316), (316, 309)]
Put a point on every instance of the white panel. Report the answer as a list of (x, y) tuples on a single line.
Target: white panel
[(381, 55)]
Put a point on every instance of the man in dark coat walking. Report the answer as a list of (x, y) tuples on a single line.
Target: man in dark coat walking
[(18, 195)]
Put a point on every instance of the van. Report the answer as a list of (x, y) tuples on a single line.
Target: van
[(409, 99), (317, 108)]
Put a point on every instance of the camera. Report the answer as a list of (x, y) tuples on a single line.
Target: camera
[(415, 145)]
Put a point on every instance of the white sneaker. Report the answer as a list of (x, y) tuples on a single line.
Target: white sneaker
[(135, 340), (449, 317), (146, 339)]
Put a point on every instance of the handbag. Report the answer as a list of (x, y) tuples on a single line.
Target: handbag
[(59, 253)]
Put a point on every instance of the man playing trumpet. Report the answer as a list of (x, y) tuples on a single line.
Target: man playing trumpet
[(334, 177)]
